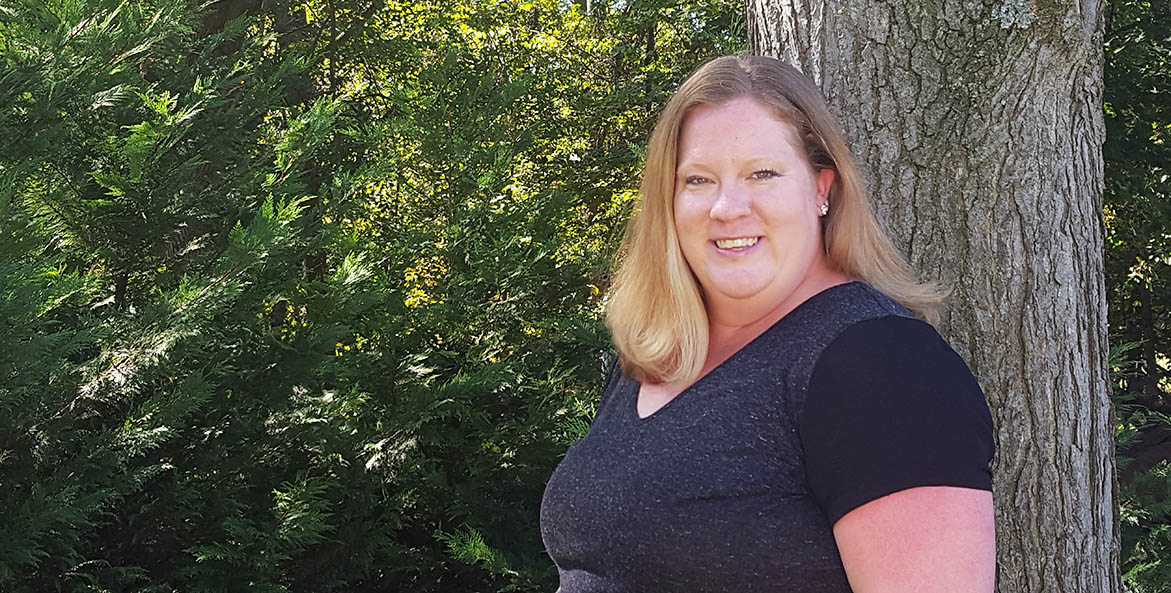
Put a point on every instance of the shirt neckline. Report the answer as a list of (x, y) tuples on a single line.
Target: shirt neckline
[(632, 404)]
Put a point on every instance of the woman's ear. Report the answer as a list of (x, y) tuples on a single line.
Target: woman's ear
[(825, 180)]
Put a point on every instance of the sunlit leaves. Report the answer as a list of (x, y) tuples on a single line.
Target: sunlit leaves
[(327, 276)]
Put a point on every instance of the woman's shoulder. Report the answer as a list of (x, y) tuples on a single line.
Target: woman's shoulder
[(891, 354), (890, 405), (887, 344), (802, 336), (861, 295), (614, 379), (841, 306)]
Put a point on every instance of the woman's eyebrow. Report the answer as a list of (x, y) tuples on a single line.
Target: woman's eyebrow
[(772, 161)]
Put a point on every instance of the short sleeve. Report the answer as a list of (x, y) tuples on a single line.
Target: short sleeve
[(890, 406)]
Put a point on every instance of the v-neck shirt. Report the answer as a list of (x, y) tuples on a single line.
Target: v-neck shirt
[(734, 484)]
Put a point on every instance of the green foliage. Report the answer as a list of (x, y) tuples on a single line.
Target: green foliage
[(1138, 279), (1138, 182), (303, 296), (1144, 502)]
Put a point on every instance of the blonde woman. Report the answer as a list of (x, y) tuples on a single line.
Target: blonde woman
[(783, 416)]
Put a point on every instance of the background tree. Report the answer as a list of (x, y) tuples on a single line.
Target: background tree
[(980, 128), (1138, 279)]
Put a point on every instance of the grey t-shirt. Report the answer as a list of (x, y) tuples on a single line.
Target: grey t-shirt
[(733, 485)]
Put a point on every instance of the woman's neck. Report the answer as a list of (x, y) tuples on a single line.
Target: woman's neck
[(733, 330)]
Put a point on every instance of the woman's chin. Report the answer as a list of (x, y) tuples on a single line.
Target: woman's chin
[(742, 293)]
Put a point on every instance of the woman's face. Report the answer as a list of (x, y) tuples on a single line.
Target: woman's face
[(746, 207)]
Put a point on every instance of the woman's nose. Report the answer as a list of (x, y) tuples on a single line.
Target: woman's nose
[(731, 202)]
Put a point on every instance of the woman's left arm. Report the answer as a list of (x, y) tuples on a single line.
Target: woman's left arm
[(898, 443), (929, 539)]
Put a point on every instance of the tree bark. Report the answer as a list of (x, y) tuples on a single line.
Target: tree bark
[(978, 126)]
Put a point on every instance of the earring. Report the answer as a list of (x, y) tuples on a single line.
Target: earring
[(824, 208)]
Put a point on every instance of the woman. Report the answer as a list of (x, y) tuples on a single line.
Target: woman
[(781, 418)]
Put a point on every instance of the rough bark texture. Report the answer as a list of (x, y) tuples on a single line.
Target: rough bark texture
[(978, 125)]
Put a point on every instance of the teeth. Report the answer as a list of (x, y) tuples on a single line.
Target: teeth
[(735, 243)]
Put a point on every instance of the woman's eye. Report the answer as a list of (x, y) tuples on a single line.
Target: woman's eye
[(694, 180), (764, 174)]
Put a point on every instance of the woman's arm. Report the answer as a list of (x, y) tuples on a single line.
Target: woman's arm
[(898, 441), (929, 539)]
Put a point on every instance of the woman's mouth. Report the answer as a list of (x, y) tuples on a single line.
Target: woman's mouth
[(737, 244)]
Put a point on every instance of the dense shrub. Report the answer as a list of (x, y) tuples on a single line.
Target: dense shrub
[(304, 296)]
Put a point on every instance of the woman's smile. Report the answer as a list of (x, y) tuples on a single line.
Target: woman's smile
[(740, 245)]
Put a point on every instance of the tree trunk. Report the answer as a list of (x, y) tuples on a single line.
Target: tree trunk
[(978, 126)]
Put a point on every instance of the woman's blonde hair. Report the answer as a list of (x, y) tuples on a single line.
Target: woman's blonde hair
[(655, 309)]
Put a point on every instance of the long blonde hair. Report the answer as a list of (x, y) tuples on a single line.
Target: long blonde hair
[(655, 308)]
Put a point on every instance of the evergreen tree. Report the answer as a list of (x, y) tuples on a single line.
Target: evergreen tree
[(304, 296), (1138, 268)]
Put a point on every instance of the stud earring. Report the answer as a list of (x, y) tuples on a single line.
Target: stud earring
[(824, 208)]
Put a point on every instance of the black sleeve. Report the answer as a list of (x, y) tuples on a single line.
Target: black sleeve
[(891, 406)]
